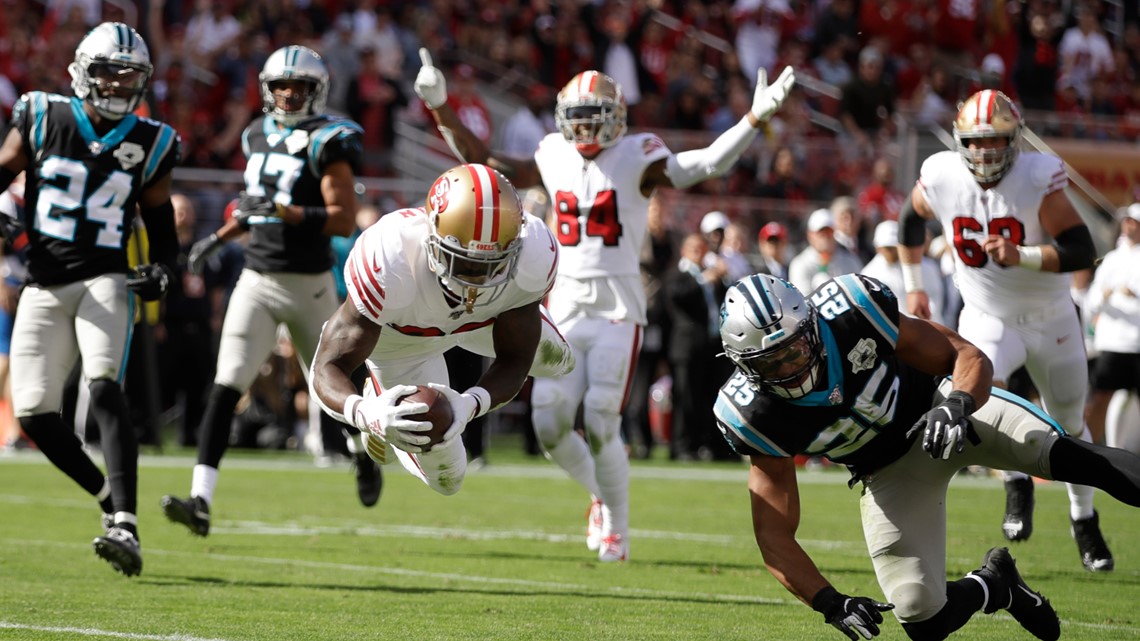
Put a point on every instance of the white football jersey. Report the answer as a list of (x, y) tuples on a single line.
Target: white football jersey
[(969, 213), (600, 218), (390, 283)]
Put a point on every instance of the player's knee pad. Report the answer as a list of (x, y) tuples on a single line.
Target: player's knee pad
[(550, 415), (914, 600), (601, 412)]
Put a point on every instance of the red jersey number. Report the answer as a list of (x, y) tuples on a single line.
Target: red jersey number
[(970, 250), (601, 222)]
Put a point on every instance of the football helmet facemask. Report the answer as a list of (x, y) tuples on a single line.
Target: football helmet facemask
[(476, 222), (591, 112), (771, 332), (988, 114), (294, 63), (111, 69)]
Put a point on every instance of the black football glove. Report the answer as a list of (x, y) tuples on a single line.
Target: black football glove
[(15, 236), (947, 427), (255, 210), (850, 614), (150, 282), (202, 251)]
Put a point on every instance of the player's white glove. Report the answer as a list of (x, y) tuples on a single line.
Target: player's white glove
[(947, 427), (386, 417), (430, 85), (768, 98), (463, 409)]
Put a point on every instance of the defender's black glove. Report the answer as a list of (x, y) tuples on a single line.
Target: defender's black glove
[(15, 236), (947, 427), (850, 614), (255, 210), (150, 282), (201, 251)]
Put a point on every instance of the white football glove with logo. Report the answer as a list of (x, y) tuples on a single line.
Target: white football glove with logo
[(386, 417), (430, 84), (768, 98), (463, 408)]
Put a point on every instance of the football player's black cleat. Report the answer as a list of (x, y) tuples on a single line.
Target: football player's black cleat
[(193, 512), (369, 478), (1008, 591), (1018, 522), (120, 547), (1095, 555)]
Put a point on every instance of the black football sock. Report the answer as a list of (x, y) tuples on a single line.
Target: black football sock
[(214, 433), (60, 445), (1110, 469), (120, 444), (964, 597)]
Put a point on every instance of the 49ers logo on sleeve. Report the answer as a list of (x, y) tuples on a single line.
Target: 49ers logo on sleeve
[(438, 194)]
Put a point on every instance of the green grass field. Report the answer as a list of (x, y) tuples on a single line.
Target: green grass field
[(293, 556)]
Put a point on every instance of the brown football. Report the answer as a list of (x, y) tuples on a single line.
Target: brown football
[(439, 412)]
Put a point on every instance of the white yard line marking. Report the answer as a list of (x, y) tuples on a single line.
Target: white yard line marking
[(93, 632)]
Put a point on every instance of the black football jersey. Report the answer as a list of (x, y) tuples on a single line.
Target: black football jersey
[(286, 165), (870, 401), (82, 189)]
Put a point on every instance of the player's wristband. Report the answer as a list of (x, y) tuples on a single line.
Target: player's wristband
[(1030, 256), (912, 277), (351, 402), (313, 219), (482, 401)]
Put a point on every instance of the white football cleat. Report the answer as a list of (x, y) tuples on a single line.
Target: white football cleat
[(614, 548), (594, 525)]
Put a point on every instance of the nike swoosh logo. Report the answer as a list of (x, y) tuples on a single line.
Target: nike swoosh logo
[(320, 293), (375, 263), (1062, 339), (1037, 600)]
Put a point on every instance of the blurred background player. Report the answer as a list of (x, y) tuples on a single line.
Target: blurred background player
[(600, 182), (1001, 207), (93, 164), (299, 191), (467, 270)]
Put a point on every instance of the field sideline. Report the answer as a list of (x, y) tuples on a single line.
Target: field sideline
[(292, 555)]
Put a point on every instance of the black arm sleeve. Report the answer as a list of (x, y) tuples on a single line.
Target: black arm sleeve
[(161, 234), (1075, 249), (912, 228)]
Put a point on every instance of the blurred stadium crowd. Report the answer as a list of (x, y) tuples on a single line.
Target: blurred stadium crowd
[(867, 70)]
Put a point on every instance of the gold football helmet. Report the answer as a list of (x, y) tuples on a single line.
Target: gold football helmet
[(591, 112), (476, 220), (988, 114)]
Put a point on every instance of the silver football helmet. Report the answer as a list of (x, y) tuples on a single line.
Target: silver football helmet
[(111, 69), (771, 332), (294, 62)]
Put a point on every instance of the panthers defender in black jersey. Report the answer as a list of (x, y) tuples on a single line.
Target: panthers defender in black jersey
[(91, 164), (845, 376), (299, 191)]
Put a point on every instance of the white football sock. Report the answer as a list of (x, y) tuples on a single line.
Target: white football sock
[(573, 455), (203, 481)]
